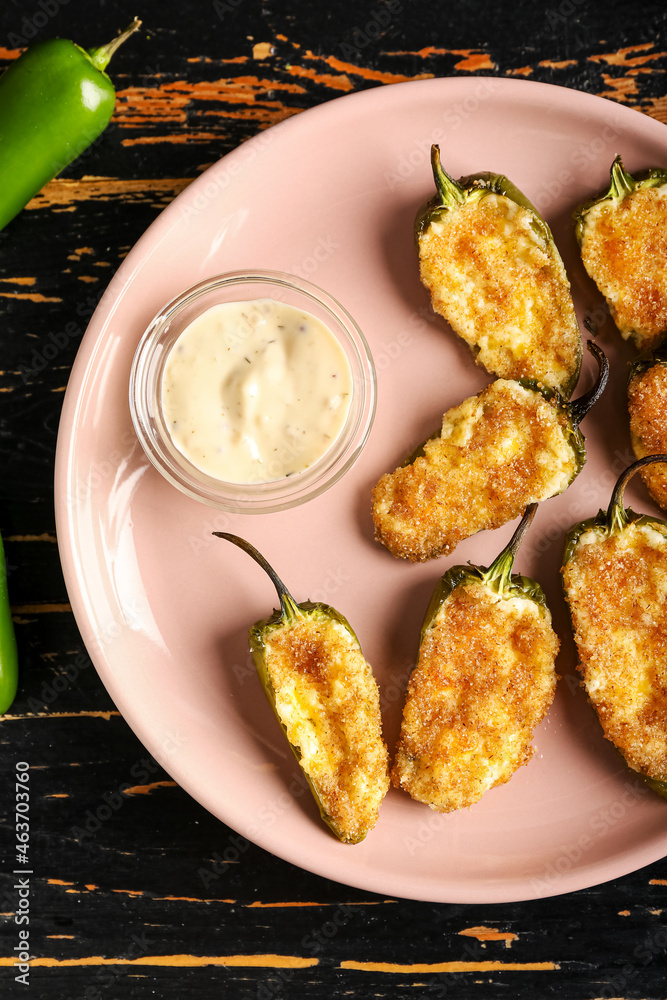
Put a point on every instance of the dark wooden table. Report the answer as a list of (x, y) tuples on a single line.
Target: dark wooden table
[(118, 908)]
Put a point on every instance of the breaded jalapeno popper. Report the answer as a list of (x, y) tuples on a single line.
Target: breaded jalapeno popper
[(647, 406), (622, 235), (484, 680), (615, 582), (513, 444), (494, 273), (326, 699)]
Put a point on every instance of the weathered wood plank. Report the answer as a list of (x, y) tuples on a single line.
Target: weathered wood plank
[(137, 891)]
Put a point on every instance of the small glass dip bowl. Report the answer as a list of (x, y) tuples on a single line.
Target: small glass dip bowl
[(146, 392)]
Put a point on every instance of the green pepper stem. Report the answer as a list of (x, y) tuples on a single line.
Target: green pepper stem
[(101, 56), (617, 516), (580, 407), (622, 183), (288, 605), (499, 573), (450, 192)]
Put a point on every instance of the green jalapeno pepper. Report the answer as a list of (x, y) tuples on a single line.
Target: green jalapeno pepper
[(485, 678), (326, 700), (493, 270), (622, 236), (615, 582), (9, 666), (55, 100), (517, 442)]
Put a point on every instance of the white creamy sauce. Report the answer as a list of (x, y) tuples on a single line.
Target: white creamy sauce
[(255, 391)]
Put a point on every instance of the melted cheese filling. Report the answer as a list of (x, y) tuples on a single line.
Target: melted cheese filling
[(484, 680), (617, 591), (328, 701), (493, 277), (624, 248)]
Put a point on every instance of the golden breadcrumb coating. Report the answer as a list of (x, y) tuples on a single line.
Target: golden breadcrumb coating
[(484, 680), (502, 287), (617, 592), (624, 249), (327, 698), (497, 452), (647, 404)]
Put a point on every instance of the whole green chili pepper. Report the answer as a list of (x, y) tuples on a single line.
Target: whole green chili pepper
[(615, 582), (326, 700), (493, 270), (9, 665), (55, 100), (484, 680)]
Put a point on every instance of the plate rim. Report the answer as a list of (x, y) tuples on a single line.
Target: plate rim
[(633, 859)]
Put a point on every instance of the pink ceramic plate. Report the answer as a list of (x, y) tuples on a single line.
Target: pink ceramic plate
[(164, 608)]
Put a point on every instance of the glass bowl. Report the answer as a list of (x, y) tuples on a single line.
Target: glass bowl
[(146, 391)]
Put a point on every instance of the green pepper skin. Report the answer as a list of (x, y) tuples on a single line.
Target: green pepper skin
[(9, 662), (291, 614), (616, 517), (621, 237), (55, 100), (622, 184), (646, 361), (471, 188), (452, 195), (498, 576), (573, 412), (484, 679), (258, 636)]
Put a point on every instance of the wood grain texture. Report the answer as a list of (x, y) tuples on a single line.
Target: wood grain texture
[(136, 890)]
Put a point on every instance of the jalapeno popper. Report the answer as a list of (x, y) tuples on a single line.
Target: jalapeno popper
[(326, 699), (622, 235), (615, 581), (484, 680), (494, 273), (647, 406), (513, 444)]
